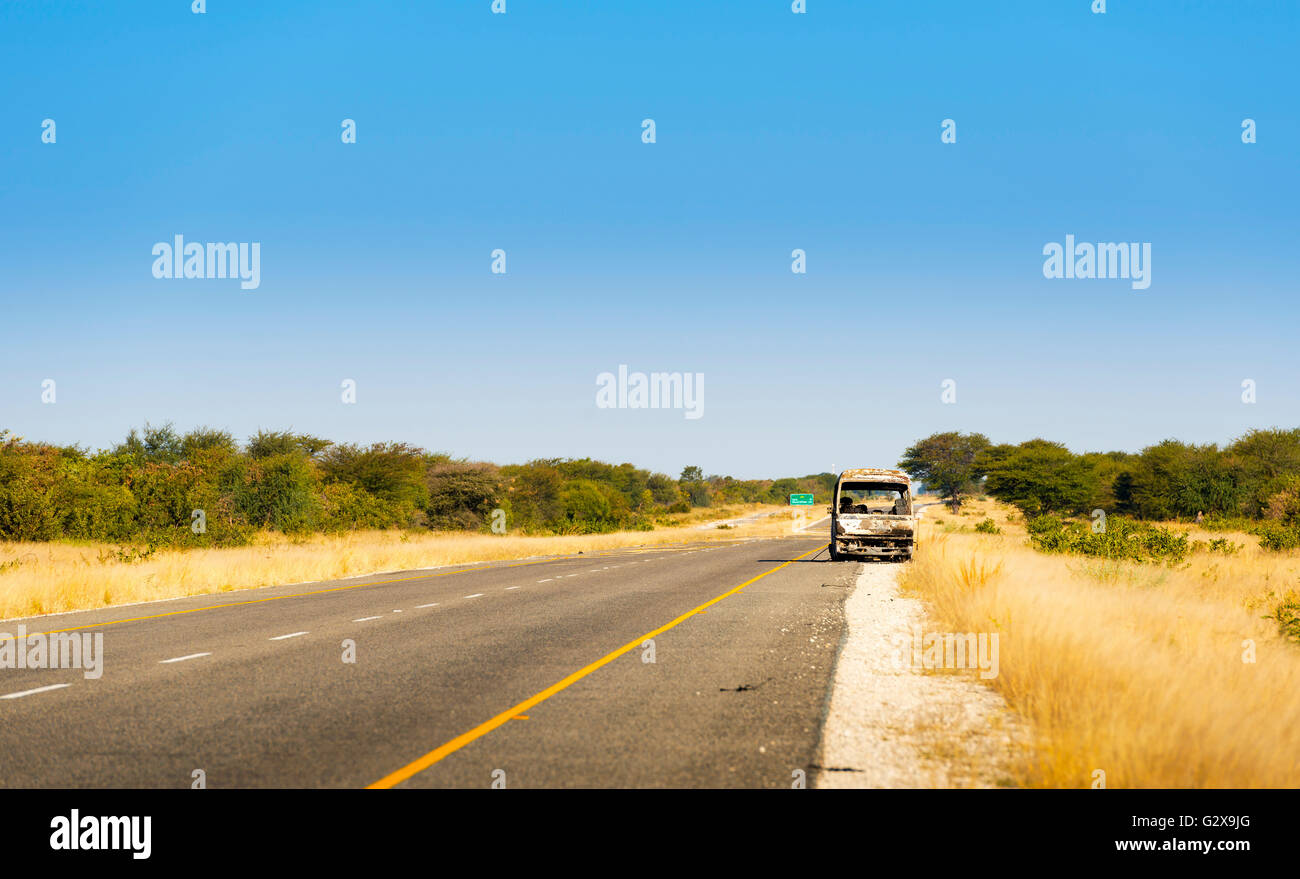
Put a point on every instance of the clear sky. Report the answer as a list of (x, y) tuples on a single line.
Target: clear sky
[(774, 131)]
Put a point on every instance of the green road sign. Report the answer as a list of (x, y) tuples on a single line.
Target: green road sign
[(801, 500)]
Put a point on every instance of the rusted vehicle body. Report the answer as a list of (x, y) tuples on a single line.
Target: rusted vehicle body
[(871, 515)]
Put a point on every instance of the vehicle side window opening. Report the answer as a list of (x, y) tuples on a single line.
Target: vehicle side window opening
[(874, 497)]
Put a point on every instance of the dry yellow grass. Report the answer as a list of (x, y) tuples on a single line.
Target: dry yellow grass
[(38, 578), (1135, 670)]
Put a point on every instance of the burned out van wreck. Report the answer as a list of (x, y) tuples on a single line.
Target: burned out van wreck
[(871, 515)]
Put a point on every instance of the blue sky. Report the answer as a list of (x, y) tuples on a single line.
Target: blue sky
[(775, 131)]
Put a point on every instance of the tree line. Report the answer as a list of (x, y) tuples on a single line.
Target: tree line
[(1255, 477), (205, 488)]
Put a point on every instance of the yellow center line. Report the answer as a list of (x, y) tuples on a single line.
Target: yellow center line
[(423, 763), (489, 567)]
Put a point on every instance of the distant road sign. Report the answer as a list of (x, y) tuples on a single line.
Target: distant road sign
[(801, 500)]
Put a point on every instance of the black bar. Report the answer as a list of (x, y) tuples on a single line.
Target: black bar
[(926, 828)]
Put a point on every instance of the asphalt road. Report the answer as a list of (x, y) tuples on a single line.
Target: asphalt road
[(463, 677)]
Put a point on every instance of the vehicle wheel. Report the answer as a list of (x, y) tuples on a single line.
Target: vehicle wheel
[(835, 555)]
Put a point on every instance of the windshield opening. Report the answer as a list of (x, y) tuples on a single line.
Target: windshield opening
[(874, 497)]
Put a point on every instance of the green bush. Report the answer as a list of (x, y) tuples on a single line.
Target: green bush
[(394, 472), (348, 507), (1225, 546), (1122, 539), (96, 512), (281, 492), (587, 509), (463, 496), (988, 526), (1287, 617), (1276, 536)]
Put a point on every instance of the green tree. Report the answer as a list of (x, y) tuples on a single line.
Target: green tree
[(462, 495), (587, 507), (266, 443), (663, 489), (533, 496), (1261, 461), (394, 472), (946, 463), (152, 444), (1038, 477), (695, 487), (281, 492), (206, 439), (1113, 480), (1173, 478)]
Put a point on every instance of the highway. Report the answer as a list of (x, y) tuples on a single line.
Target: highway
[(527, 674)]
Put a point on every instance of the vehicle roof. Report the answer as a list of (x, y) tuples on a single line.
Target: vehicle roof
[(875, 474)]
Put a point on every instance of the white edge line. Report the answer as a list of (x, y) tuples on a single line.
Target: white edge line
[(290, 635), (418, 606), (475, 595), (365, 619)]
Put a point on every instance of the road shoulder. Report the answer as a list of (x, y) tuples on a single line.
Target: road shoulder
[(889, 725)]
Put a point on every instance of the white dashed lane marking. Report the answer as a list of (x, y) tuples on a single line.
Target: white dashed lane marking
[(46, 689), (34, 692), (359, 620), (183, 658)]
